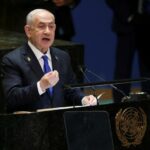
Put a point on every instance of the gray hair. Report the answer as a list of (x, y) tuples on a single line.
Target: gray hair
[(32, 14)]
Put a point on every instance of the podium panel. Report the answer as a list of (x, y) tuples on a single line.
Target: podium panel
[(86, 130)]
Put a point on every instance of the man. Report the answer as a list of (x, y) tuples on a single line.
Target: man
[(24, 82), (131, 22)]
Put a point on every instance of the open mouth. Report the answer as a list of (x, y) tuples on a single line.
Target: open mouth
[(46, 39)]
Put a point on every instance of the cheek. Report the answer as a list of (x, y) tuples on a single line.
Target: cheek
[(36, 37), (35, 40)]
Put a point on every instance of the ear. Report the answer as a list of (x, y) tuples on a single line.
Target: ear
[(27, 30)]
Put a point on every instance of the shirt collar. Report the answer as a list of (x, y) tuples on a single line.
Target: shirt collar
[(37, 52)]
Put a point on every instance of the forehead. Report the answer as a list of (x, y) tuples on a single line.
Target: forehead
[(44, 17)]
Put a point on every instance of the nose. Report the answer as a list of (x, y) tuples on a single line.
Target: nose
[(47, 30)]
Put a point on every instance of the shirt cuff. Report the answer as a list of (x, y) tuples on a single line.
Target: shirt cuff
[(40, 89)]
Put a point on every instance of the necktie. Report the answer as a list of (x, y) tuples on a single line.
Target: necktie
[(46, 70)]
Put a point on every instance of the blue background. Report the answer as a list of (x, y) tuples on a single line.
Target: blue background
[(92, 20)]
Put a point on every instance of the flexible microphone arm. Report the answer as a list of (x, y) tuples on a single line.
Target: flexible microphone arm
[(92, 87), (115, 82), (113, 86)]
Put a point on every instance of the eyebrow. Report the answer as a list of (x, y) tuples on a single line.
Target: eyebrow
[(47, 22)]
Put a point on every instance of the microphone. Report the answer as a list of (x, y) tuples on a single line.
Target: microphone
[(111, 85), (93, 88)]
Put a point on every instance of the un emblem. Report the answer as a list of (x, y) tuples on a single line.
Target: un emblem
[(131, 124)]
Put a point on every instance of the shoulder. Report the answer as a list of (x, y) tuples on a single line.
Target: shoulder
[(60, 52), (15, 54)]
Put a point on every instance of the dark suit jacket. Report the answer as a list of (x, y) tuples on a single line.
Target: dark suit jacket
[(122, 10), (21, 71)]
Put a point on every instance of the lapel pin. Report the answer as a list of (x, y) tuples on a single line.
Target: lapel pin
[(29, 59)]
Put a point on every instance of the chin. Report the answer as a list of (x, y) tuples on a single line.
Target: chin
[(43, 49)]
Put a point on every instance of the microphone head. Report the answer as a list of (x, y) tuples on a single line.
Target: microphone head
[(82, 68)]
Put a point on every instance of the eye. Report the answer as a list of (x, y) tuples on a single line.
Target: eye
[(52, 26), (41, 26)]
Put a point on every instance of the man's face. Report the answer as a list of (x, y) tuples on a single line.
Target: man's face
[(41, 32)]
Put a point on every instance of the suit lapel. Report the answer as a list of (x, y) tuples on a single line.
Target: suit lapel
[(32, 61), (55, 61)]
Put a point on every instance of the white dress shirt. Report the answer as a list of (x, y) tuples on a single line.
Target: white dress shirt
[(38, 54)]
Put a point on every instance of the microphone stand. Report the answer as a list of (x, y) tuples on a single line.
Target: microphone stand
[(111, 85), (131, 97)]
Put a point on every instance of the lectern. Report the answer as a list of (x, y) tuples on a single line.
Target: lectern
[(46, 130)]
